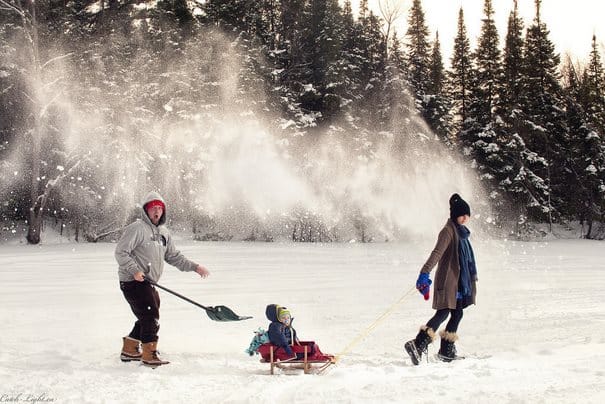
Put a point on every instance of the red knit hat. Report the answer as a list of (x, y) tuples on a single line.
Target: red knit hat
[(155, 202)]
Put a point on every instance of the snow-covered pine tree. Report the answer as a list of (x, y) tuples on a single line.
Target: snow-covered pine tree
[(239, 15), (435, 103), (460, 76), (480, 138), (543, 115), (397, 91), (372, 64), (349, 65), (586, 169), (395, 84), (595, 84), (595, 88), (287, 58), (322, 38), (512, 63), (417, 51), (516, 176), (586, 177)]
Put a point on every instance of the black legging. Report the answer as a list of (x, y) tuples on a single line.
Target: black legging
[(441, 315)]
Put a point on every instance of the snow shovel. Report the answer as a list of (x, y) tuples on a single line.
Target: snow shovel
[(216, 313)]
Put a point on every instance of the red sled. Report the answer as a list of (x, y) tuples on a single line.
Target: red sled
[(307, 356)]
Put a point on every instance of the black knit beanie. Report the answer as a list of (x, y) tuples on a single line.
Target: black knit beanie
[(458, 207)]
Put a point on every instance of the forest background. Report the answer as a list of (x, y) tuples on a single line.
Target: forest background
[(289, 119)]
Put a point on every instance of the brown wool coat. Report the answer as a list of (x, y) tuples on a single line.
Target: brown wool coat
[(445, 256)]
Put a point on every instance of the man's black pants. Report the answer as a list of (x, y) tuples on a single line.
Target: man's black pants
[(144, 301)]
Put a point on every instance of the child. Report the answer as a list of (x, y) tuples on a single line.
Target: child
[(284, 340)]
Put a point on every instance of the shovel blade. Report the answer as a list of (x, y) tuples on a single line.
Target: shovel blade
[(224, 313)]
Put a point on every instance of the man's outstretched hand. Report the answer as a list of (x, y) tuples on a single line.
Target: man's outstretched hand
[(202, 271)]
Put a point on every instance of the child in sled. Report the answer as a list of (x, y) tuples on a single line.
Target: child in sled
[(282, 336)]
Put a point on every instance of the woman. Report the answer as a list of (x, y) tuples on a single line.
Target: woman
[(455, 283)]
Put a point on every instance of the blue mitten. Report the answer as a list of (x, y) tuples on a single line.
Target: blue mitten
[(423, 284)]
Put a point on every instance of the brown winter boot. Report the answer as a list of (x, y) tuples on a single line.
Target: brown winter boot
[(131, 350), (151, 355)]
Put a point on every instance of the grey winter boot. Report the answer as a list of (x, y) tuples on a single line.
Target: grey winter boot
[(416, 347), (447, 351)]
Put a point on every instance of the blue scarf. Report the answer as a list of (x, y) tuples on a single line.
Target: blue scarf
[(468, 269)]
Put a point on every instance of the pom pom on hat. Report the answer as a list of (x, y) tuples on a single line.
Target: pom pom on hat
[(458, 207)]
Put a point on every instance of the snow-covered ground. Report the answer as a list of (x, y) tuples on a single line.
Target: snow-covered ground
[(536, 335)]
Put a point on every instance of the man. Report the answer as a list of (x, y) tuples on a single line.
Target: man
[(141, 252)]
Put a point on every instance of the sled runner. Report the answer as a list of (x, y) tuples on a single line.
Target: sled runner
[(307, 357)]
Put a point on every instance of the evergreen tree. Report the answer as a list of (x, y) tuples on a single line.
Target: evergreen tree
[(322, 41), (594, 84), (289, 34), (488, 74), (526, 189), (349, 63), (435, 105), (516, 183), (479, 136), (436, 70), (543, 121), (417, 50), (586, 175), (512, 63), (397, 90), (236, 15), (362, 68), (179, 8), (460, 75), (372, 62)]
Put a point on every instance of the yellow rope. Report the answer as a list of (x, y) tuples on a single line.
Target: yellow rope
[(373, 325)]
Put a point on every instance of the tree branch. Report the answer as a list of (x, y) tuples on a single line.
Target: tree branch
[(5, 5), (55, 59), (48, 104)]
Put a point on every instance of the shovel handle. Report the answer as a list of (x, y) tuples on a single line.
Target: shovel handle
[(178, 294)]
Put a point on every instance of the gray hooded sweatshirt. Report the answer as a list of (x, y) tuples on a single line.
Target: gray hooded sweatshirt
[(145, 246)]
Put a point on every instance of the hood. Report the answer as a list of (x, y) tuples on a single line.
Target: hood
[(271, 312), (151, 196)]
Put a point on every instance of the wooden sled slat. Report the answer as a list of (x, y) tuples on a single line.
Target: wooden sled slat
[(305, 364)]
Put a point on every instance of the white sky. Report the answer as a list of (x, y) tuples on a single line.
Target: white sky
[(571, 23)]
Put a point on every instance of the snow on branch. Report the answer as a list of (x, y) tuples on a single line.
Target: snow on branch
[(51, 184), (55, 59), (5, 5)]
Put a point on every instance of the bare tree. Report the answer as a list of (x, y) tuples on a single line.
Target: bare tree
[(41, 95), (390, 11)]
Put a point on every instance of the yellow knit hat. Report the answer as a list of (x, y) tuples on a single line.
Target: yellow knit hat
[(282, 314)]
